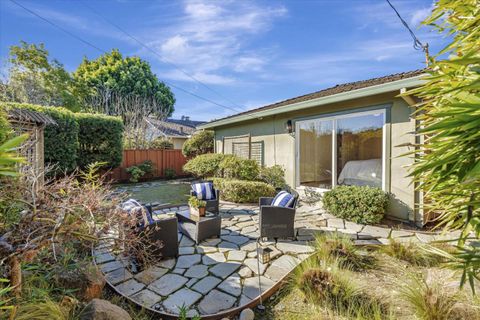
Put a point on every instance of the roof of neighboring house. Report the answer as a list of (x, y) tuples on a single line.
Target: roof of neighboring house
[(175, 127), (332, 91), (30, 116)]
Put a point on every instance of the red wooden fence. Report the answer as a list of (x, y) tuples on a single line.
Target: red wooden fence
[(162, 159)]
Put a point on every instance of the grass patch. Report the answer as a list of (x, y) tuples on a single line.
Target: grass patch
[(164, 193), (414, 253), (339, 248)]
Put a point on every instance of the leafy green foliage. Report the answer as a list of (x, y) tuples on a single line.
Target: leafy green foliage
[(34, 78), (233, 167), (200, 143), (359, 204), (100, 139), (161, 143), (241, 191), (139, 171), (205, 165), (5, 129), (447, 167), (61, 140), (130, 76), (274, 176), (169, 173), (413, 253), (194, 202), (9, 157)]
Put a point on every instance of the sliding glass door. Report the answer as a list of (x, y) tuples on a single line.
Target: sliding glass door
[(341, 150)]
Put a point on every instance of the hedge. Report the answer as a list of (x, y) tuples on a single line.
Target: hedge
[(100, 139), (61, 140), (360, 204), (241, 191), (238, 168)]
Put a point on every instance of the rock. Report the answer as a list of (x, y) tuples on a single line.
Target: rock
[(87, 280), (250, 286), (239, 240), (198, 271), (167, 263), (186, 250), (99, 309), (129, 287), (146, 298), (232, 285), (294, 247), (213, 258), (151, 274), (215, 301), (237, 255), (247, 314), (182, 298), (187, 261), (225, 269), (168, 284), (253, 265), (206, 284), (118, 276), (227, 246)]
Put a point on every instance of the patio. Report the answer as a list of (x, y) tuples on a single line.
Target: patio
[(219, 276)]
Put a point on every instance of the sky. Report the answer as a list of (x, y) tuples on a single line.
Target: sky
[(244, 54)]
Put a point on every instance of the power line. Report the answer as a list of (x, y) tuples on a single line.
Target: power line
[(162, 58), (417, 44), (103, 51)]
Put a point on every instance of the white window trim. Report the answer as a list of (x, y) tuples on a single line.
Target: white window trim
[(334, 119)]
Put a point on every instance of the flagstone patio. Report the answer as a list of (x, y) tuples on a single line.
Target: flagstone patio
[(221, 274)]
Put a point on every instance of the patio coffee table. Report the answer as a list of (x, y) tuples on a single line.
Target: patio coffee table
[(198, 228)]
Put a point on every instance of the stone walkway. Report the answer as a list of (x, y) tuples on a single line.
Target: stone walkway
[(221, 273)]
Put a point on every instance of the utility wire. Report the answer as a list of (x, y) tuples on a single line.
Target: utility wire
[(103, 51), (162, 58), (417, 44)]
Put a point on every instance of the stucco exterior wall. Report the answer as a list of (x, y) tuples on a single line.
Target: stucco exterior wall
[(280, 148), (178, 142)]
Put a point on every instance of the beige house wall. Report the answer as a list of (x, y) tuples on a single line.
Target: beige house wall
[(280, 146), (178, 142)]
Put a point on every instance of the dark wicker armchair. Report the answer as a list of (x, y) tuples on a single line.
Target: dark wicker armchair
[(276, 222), (212, 205), (164, 230)]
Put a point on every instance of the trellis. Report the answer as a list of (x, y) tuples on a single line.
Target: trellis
[(33, 123), (243, 147)]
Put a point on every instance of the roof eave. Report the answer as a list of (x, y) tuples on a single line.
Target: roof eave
[(339, 97)]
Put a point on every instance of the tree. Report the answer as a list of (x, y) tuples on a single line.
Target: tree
[(448, 163), (200, 143), (112, 80), (34, 78)]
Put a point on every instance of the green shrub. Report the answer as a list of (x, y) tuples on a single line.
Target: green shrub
[(241, 191), (5, 129), (204, 165), (140, 170), (359, 204), (237, 168), (61, 140), (274, 176), (170, 173), (200, 143), (161, 143), (100, 139)]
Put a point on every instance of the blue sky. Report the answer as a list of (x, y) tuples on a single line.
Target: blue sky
[(251, 52)]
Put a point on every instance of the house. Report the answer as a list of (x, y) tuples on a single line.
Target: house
[(175, 130), (350, 134)]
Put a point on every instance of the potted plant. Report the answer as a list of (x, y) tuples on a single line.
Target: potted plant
[(197, 206)]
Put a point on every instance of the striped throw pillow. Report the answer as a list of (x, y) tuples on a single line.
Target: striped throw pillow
[(204, 190), (283, 199)]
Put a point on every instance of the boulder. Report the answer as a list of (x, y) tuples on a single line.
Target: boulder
[(247, 314), (99, 309), (87, 280)]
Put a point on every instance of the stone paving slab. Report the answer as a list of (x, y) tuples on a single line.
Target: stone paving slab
[(221, 273)]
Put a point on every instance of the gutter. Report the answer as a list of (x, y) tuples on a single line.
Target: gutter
[(339, 97)]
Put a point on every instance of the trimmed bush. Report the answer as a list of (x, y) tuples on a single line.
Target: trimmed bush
[(241, 191), (237, 168), (360, 204), (5, 128), (205, 165), (274, 176), (100, 139), (61, 140), (161, 143), (200, 143)]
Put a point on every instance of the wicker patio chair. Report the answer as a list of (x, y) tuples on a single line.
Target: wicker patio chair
[(212, 205), (276, 222)]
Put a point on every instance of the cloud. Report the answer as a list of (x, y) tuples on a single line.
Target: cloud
[(419, 15), (211, 39)]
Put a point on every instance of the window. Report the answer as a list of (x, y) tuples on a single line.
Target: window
[(341, 150)]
